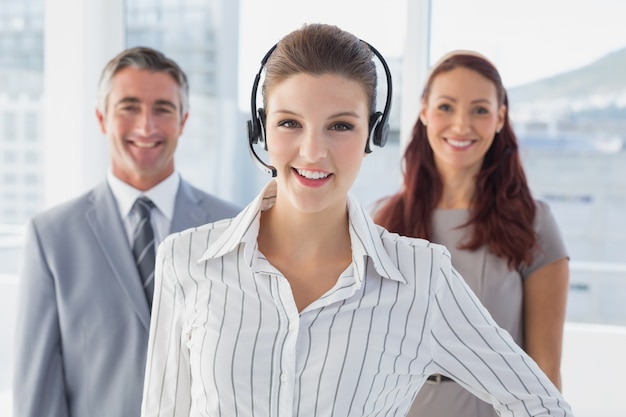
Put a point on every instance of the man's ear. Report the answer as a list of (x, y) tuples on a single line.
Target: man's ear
[(101, 121), (183, 121)]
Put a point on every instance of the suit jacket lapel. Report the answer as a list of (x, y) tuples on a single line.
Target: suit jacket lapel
[(107, 226), (188, 212)]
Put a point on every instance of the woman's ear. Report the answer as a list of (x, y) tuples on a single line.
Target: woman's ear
[(501, 117), (422, 114)]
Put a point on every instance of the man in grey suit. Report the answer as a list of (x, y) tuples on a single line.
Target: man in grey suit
[(84, 308)]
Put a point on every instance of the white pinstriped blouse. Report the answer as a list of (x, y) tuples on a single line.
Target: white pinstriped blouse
[(227, 340)]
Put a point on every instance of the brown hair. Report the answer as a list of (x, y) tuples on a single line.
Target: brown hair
[(502, 210), (318, 49)]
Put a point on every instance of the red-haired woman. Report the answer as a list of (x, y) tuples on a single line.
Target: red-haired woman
[(464, 187)]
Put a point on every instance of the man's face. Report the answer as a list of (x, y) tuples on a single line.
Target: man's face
[(143, 122)]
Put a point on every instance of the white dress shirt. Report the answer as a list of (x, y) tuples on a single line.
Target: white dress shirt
[(163, 195), (227, 339)]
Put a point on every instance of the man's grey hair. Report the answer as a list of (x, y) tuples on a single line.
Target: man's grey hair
[(142, 58)]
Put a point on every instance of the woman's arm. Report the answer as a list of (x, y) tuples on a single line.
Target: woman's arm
[(545, 300), (473, 350)]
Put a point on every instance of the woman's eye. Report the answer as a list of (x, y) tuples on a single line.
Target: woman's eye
[(341, 126), (482, 110), (289, 124), (445, 107)]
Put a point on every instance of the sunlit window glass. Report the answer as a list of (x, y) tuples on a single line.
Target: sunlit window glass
[(21, 185), (21, 85)]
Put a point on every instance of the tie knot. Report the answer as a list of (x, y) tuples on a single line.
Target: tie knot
[(143, 205)]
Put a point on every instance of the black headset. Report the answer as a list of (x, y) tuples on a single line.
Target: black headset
[(378, 123)]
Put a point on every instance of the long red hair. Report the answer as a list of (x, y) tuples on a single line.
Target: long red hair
[(502, 209)]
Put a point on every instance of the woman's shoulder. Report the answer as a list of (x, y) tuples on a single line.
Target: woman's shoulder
[(550, 242), (392, 241), (544, 218), (418, 261), (204, 232), (541, 205)]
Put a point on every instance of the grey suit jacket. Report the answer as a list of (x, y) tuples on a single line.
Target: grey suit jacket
[(83, 319)]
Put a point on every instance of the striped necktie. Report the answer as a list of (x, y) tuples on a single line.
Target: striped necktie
[(143, 246)]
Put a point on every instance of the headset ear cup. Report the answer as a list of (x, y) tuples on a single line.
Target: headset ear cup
[(374, 122), (261, 124), (253, 129), (256, 128), (381, 135)]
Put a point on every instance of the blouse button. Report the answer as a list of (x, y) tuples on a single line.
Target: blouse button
[(283, 377)]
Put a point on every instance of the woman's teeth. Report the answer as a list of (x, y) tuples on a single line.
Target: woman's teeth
[(312, 175), (459, 143)]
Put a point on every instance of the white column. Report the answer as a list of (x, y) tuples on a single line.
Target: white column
[(80, 37), (232, 144), (416, 62)]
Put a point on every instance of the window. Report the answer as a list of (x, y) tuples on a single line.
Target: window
[(9, 157), (21, 85), (31, 126), (10, 126), (31, 158), (31, 179), (9, 178), (21, 79)]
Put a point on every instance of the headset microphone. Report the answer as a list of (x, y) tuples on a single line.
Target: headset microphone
[(378, 123)]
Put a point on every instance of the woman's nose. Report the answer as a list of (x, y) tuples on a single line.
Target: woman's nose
[(461, 122), (313, 146)]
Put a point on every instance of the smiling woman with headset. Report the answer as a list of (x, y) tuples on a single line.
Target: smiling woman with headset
[(301, 306)]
